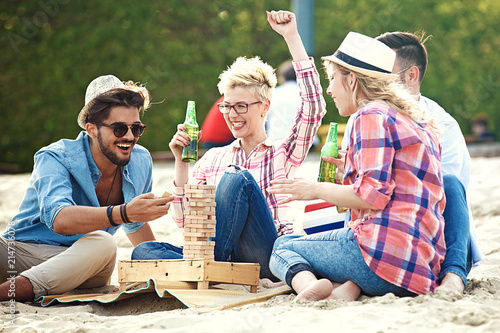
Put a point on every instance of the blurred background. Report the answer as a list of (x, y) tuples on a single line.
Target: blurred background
[(52, 49)]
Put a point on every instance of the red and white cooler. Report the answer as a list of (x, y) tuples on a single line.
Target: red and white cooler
[(322, 216)]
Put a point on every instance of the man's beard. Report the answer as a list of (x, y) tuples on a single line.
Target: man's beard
[(105, 149)]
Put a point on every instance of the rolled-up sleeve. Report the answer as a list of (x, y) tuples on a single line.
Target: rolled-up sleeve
[(51, 181), (372, 154)]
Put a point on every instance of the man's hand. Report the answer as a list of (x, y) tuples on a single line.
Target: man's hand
[(146, 207)]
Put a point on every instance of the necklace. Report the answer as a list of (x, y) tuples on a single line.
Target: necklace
[(111, 189)]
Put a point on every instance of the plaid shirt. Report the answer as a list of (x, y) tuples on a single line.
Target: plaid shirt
[(394, 164), (269, 160)]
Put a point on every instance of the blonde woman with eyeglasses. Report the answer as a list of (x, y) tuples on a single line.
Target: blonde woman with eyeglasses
[(249, 218)]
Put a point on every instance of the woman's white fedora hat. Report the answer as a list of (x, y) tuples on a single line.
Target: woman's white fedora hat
[(365, 55)]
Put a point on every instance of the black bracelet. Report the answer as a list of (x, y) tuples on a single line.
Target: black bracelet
[(109, 211), (123, 213)]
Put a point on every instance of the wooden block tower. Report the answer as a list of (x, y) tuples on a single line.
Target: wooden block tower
[(199, 222), (198, 264)]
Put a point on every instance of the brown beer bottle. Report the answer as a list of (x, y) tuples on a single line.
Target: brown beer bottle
[(190, 152)]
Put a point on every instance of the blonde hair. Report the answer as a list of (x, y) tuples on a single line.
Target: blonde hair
[(252, 73), (386, 90)]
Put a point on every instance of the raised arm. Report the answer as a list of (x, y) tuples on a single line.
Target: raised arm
[(285, 24)]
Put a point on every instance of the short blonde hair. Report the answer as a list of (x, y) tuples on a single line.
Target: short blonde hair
[(252, 73), (386, 90)]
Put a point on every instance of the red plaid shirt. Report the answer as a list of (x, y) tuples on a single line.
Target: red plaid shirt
[(268, 160), (394, 165)]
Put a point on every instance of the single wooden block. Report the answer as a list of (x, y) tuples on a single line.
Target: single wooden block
[(191, 218), (203, 285), (199, 187), (191, 191), (200, 204), (210, 196), (200, 225), (196, 239), (195, 208), (199, 243), (201, 199), (200, 247), (194, 212), (199, 234), (210, 220), (198, 230), (193, 251)]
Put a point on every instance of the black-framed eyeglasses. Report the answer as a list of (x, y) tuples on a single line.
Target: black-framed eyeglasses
[(403, 70), (239, 108), (120, 129)]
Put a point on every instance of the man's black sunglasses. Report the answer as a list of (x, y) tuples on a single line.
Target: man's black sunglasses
[(120, 129)]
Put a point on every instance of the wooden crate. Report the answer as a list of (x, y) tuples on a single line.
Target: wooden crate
[(201, 271)]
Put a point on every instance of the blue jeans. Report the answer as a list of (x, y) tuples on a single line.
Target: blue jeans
[(245, 230), (456, 230), (334, 255)]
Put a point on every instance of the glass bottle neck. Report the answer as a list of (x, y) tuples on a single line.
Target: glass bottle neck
[(191, 114), (332, 133)]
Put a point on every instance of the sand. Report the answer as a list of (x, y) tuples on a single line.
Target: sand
[(478, 310)]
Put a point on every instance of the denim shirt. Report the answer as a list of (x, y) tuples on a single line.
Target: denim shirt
[(65, 174)]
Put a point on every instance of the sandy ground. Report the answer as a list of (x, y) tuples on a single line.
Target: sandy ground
[(478, 310)]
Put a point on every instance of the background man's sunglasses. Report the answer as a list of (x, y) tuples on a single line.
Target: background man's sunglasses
[(120, 129)]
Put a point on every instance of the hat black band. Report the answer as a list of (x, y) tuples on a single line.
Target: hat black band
[(358, 63)]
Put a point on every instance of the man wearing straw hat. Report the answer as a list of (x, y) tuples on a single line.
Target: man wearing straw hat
[(80, 193)]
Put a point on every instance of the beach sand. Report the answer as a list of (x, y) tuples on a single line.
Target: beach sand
[(478, 310)]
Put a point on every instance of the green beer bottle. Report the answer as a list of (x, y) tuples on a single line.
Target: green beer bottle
[(190, 152), (327, 170)]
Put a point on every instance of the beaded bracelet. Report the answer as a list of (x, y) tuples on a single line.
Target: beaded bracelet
[(123, 213), (109, 211)]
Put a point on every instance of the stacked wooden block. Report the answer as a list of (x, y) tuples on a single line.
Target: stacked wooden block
[(199, 223)]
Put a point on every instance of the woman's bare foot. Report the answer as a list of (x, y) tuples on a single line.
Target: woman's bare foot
[(451, 282), (348, 291), (316, 291)]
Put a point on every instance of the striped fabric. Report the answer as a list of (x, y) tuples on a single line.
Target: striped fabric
[(394, 164), (268, 160)]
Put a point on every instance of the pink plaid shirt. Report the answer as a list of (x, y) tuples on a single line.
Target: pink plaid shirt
[(394, 165), (269, 160)]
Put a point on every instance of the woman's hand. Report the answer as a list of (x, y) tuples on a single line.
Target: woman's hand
[(180, 140), (282, 22), (299, 189), (339, 161), (285, 24)]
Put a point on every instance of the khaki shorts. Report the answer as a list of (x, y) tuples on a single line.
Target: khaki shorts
[(88, 263)]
